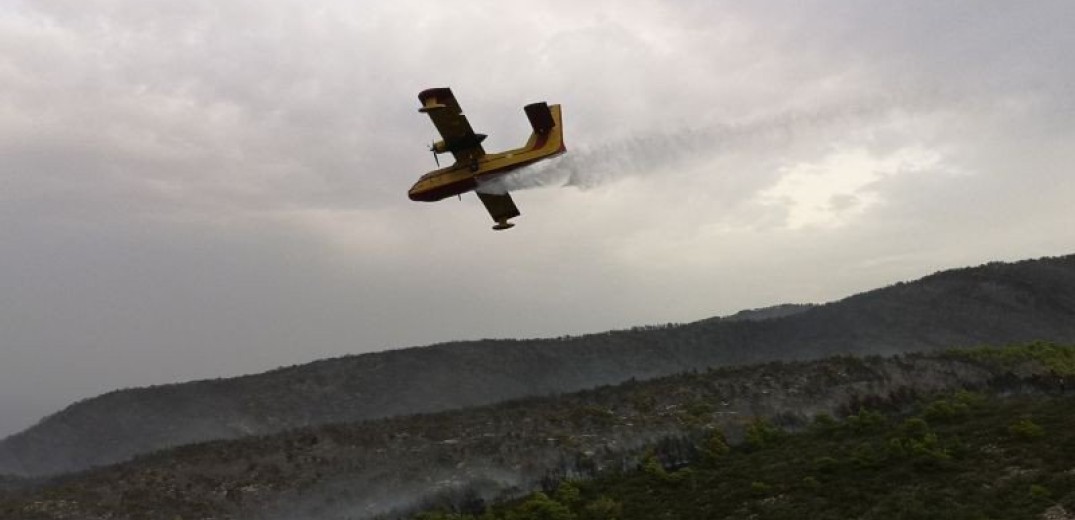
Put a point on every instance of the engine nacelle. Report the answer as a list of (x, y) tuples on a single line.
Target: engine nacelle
[(438, 147)]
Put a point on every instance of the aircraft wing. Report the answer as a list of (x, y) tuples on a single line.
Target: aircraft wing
[(500, 207), (459, 138)]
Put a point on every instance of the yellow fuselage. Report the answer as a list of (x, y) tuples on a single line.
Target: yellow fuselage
[(463, 176)]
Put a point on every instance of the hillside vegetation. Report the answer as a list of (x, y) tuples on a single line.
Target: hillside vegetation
[(991, 304), (958, 455), (671, 428), (964, 456)]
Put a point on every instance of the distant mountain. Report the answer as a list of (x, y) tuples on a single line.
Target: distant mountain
[(991, 304), (464, 458), (766, 313)]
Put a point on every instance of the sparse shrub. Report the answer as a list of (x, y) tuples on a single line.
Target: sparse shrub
[(943, 410), (826, 464), (715, 446), (1025, 429), (699, 409), (681, 475), (653, 467), (603, 508), (760, 488), (762, 434), (540, 507), (1058, 358), (915, 441), (865, 455), (969, 399), (643, 402), (914, 428), (1038, 491), (567, 493), (823, 423), (928, 453), (591, 414), (867, 421)]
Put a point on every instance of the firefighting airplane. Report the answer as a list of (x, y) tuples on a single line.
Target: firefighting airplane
[(472, 164)]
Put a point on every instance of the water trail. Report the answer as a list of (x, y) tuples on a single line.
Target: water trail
[(586, 167)]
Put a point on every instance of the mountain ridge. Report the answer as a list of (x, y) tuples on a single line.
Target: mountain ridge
[(988, 304)]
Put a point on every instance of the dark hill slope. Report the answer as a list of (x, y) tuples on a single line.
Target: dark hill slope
[(359, 470), (994, 303)]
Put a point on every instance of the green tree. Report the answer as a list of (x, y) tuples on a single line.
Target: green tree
[(943, 410), (867, 421), (540, 507), (567, 493), (762, 434), (653, 467), (715, 446), (1025, 429), (604, 508), (823, 423)]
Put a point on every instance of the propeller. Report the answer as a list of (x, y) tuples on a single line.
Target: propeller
[(433, 148)]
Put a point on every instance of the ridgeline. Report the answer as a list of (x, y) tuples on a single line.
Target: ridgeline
[(980, 433), (997, 303)]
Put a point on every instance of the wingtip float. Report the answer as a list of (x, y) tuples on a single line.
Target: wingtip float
[(472, 164)]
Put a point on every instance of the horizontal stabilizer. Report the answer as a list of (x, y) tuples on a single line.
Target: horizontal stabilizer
[(540, 117)]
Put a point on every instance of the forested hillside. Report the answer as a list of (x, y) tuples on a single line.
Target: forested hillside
[(964, 456), (990, 304), (464, 460)]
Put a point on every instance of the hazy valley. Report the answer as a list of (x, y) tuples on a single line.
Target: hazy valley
[(339, 438), (992, 304)]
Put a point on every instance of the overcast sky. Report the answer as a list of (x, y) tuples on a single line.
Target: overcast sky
[(209, 188)]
